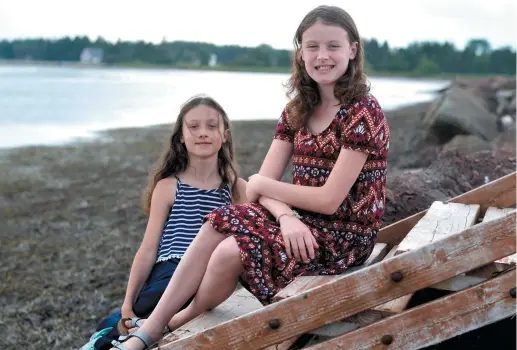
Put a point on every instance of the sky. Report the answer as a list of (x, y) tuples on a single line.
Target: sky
[(251, 23)]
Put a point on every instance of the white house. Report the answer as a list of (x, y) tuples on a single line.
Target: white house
[(92, 55)]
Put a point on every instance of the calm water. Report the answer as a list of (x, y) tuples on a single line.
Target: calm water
[(49, 105)]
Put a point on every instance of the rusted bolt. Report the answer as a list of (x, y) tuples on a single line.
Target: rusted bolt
[(397, 276), (274, 324), (387, 339), (512, 292)]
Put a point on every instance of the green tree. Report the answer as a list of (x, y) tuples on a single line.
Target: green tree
[(426, 66)]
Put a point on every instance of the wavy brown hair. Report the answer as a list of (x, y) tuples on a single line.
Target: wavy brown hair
[(174, 158), (302, 90)]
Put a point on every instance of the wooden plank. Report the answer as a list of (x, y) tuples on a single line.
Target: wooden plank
[(363, 318), (349, 324), (459, 283), (239, 303), (440, 220), (362, 290), (436, 321), (392, 306), (303, 283), (494, 213), (498, 193), (477, 276)]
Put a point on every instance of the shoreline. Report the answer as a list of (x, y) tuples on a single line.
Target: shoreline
[(237, 69), (103, 135)]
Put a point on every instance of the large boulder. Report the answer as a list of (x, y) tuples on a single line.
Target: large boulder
[(457, 111), (497, 93)]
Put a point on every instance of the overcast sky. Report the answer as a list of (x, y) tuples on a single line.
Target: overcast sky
[(250, 23)]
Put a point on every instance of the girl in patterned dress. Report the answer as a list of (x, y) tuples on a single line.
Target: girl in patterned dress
[(326, 220)]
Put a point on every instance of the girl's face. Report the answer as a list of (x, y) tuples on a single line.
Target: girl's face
[(203, 132), (326, 51)]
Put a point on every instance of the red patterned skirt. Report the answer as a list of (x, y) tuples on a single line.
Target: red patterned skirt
[(267, 267)]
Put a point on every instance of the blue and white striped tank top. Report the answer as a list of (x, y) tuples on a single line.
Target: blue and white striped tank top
[(186, 217)]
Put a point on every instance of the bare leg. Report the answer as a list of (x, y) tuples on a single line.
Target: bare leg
[(183, 284), (218, 284)]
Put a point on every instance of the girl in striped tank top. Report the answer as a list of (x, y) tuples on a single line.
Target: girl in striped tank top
[(195, 174)]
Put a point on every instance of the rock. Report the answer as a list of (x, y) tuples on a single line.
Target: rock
[(459, 112)]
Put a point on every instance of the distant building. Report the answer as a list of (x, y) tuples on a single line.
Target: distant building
[(92, 55), (213, 60)]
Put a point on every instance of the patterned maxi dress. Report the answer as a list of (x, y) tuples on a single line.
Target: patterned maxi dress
[(345, 238)]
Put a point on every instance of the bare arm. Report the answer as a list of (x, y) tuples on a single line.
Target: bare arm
[(275, 207), (274, 164), (276, 159), (162, 200), (325, 199)]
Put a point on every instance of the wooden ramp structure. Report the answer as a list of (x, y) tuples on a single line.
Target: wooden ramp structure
[(465, 245)]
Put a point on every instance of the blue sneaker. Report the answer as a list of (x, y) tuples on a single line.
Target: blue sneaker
[(95, 336)]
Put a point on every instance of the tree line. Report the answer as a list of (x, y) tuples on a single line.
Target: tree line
[(419, 58)]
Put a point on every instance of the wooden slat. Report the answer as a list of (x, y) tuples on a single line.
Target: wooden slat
[(459, 283), (356, 321), (498, 193), (436, 321), (440, 220), (477, 276), (239, 303), (362, 290), (391, 307), (349, 324), (494, 213), (303, 283)]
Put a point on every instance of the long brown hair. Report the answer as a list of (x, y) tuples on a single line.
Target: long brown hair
[(174, 158), (302, 90)]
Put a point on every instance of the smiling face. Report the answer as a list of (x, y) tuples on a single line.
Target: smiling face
[(203, 132), (326, 51)]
